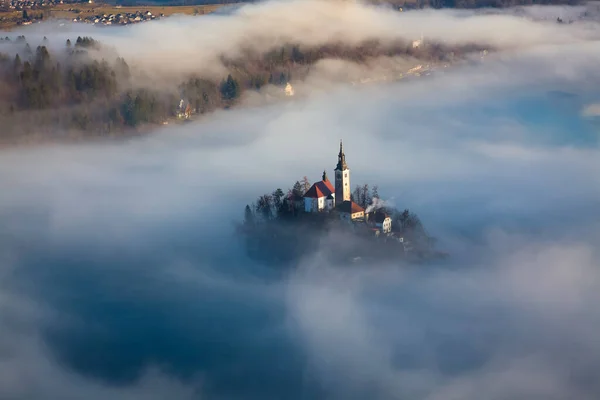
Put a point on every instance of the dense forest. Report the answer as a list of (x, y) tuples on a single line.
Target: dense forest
[(71, 94), (44, 93), (276, 229)]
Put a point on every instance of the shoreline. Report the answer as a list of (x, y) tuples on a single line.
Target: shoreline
[(146, 129)]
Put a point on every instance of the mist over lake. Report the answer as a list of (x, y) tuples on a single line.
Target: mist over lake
[(121, 275)]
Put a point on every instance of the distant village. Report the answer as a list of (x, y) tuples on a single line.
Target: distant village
[(125, 18), (35, 10), (20, 5)]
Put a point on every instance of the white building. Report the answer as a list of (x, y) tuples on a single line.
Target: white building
[(350, 211), (342, 179), (417, 43), (320, 196), (289, 90), (381, 221)]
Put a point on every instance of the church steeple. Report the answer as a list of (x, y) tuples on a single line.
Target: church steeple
[(342, 178), (341, 165)]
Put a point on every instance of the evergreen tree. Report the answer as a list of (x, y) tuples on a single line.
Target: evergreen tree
[(28, 51), (297, 190), (277, 198), (122, 69), (264, 206), (42, 58), (248, 216), (366, 196), (230, 88), (375, 192), (282, 79), (17, 64), (297, 55)]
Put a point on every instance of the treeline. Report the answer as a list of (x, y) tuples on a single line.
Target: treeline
[(288, 205), (69, 90), (276, 228), (279, 66), (72, 92)]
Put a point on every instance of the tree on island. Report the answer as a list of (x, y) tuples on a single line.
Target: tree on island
[(230, 89), (362, 195), (375, 192)]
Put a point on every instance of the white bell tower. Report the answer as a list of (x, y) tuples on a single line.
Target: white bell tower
[(342, 178)]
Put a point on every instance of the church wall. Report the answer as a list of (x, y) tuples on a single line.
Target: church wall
[(308, 203), (314, 205), (321, 201), (358, 215), (342, 186)]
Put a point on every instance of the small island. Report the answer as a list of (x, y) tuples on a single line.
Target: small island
[(344, 226)]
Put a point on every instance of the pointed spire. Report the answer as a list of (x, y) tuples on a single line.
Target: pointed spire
[(341, 165)]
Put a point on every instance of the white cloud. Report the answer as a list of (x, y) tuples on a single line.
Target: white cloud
[(132, 239)]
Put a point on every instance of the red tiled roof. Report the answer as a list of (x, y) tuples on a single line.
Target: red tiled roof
[(350, 207), (319, 189), (329, 185)]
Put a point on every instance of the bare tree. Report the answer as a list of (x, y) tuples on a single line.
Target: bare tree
[(305, 184)]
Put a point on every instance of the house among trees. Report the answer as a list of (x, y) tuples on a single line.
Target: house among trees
[(289, 90), (184, 110), (381, 221)]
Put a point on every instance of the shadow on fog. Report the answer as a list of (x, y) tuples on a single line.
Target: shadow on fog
[(185, 304)]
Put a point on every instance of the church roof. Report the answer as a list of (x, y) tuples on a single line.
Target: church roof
[(349, 207), (320, 189)]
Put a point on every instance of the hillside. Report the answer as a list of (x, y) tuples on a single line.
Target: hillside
[(71, 94)]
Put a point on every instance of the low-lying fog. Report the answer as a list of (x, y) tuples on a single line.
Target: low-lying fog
[(121, 278)]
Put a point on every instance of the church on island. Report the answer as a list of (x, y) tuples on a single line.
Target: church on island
[(325, 197)]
